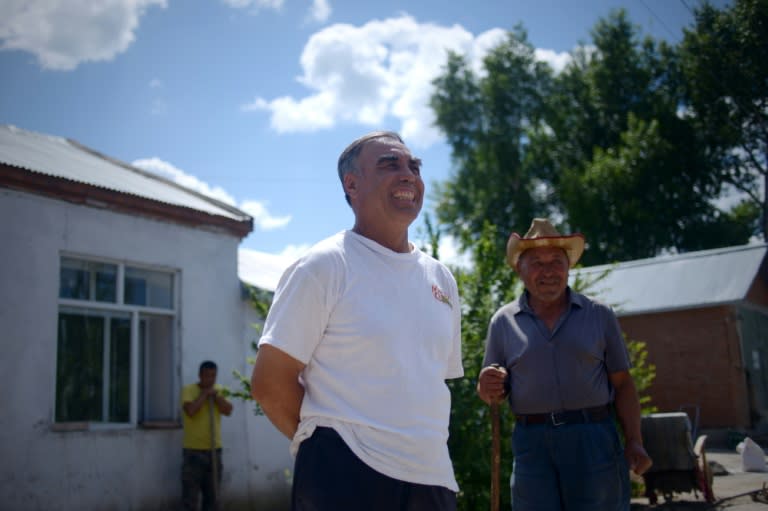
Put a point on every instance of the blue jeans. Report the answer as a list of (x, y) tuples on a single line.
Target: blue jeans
[(573, 467)]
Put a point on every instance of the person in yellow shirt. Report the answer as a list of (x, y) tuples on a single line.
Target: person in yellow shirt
[(203, 404)]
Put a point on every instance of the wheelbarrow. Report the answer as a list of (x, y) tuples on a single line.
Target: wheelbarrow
[(679, 465)]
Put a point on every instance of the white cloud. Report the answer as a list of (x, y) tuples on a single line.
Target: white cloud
[(382, 69), (312, 113), (264, 270), (64, 33), (484, 43), (262, 218), (365, 74), (257, 5), (320, 11), (448, 250), (557, 60)]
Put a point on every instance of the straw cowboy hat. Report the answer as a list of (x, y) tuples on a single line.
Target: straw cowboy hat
[(543, 234)]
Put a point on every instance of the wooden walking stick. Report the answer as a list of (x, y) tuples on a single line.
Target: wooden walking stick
[(214, 461), (495, 452), (495, 456)]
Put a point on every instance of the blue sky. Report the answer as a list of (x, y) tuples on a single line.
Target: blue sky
[(252, 101)]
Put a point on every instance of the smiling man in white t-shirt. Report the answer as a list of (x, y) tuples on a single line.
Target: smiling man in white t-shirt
[(361, 336)]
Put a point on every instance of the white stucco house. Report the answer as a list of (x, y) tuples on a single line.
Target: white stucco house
[(114, 285)]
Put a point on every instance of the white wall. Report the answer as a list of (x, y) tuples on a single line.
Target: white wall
[(271, 463), (134, 469)]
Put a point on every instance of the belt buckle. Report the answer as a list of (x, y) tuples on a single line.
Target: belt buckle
[(553, 418)]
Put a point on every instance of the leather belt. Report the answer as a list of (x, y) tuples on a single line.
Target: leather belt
[(583, 416)]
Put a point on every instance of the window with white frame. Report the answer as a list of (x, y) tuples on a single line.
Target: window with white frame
[(116, 336)]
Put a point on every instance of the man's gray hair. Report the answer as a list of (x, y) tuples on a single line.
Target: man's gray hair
[(348, 159)]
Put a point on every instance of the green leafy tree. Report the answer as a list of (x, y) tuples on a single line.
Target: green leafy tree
[(483, 290), (604, 146), (260, 300), (643, 373), (723, 59), (484, 119), (627, 168)]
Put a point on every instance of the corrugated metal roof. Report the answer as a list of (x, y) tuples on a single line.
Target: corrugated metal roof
[(693, 279), (63, 158)]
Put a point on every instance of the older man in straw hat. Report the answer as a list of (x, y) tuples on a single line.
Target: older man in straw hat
[(560, 359)]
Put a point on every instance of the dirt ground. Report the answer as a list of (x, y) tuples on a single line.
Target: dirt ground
[(734, 489)]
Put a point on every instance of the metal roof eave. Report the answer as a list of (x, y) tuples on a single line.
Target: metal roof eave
[(678, 308), (680, 281), (77, 192), (58, 157), (150, 175)]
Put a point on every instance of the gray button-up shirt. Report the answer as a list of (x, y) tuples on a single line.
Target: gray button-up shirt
[(565, 369)]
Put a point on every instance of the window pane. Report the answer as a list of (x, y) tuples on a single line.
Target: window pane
[(87, 280), (106, 282), (120, 370), (79, 368), (93, 366), (74, 279), (149, 288), (156, 341)]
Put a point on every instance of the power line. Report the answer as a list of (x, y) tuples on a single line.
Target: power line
[(659, 19)]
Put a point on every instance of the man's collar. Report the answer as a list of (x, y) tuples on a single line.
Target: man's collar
[(574, 299)]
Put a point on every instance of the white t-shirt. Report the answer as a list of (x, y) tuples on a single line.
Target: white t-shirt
[(379, 332)]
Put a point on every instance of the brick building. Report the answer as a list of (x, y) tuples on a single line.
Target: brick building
[(704, 317)]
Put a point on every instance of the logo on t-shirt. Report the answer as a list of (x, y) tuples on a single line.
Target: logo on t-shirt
[(440, 296)]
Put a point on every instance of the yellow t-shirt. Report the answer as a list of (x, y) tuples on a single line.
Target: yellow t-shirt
[(197, 429)]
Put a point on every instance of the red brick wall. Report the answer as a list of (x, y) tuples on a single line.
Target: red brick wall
[(758, 291), (698, 361)]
